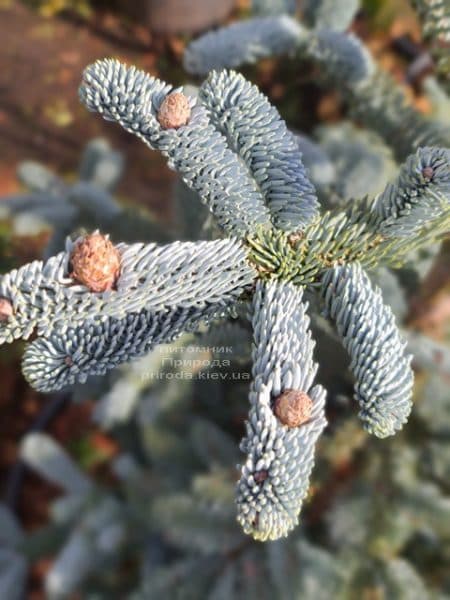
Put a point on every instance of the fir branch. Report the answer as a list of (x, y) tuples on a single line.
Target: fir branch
[(193, 523), (373, 97), (329, 14), (361, 160), (255, 131), (38, 178), (334, 238), (273, 7), (53, 209), (192, 575), (380, 104), (100, 165), (412, 211), (196, 150), (95, 347), (342, 57), (94, 201), (46, 457), (232, 334), (152, 278), (275, 476), (435, 18), (242, 43), (97, 537), (436, 15), (156, 292), (213, 273), (402, 579), (13, 574), (420, 194), (429, 355), (368, 331), (318, 165), (69, 207)]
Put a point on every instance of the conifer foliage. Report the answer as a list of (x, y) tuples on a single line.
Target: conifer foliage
[(342, 62), (231, 147)]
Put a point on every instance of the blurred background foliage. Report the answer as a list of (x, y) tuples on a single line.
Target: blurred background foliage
[(124, 487)]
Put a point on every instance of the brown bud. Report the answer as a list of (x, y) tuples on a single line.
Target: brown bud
[(6, 309), (293, 407), (95, 262), (174, 111), (69, 361), (428, 172), (260, 476), (295, 237), (255, 521)]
